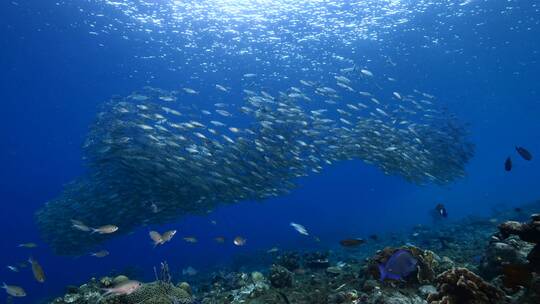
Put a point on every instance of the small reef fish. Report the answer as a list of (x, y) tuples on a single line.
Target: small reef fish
[(190, 271), (221, 88), (273, 250), (239, 241), (12, 268), (28, 245), (441, 210), (100, 254), (14, 291), (37, 270), (106, 229), (398, 266), (124, 288), (352, 242), (190, 239), (160, 239), (219, 239), (190, 91), (524, 153), (366, 72), (508, 164), (301, 229), (80, 226)]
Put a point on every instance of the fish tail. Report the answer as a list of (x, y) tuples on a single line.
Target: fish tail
[(107, 292), (94, 230), (382, 272)]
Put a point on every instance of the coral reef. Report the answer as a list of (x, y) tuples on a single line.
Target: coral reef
[(280, 277), (429, 264), (528, 232), (150, 293), (460, 285), (289, 260), (445, 272), (500, 253)]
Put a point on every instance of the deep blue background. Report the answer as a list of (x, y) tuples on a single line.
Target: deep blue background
[(54, 75)]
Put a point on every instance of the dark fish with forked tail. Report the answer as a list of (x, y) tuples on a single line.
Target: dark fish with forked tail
[(351, 242), (508, 164), (524, 153)]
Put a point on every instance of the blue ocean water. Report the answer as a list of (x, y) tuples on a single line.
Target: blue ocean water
[(61, 60)]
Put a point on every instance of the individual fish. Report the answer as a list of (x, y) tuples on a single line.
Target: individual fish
[(190, 239), (524, 153), (28, 245), (239, 241), (100, 254), (124, 288), (441, 210), (154, 207), (508, 164), (37, 270), (221, 88), (219, 239), (400, 264), (272, 250), (190, 271), (352, 242), (12, 268), (190, 91), (167, 98), (374, 237), (106, 229), (14, 291), (160, 239), (366, 72), (301, 229)]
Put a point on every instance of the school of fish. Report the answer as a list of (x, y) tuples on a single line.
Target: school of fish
[(155, 156)]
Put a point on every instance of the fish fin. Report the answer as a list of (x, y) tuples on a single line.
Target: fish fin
[(382, 272), (94, 230), (4, 285), (393, 276)]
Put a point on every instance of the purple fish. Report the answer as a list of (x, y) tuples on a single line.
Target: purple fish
[(398, 266)]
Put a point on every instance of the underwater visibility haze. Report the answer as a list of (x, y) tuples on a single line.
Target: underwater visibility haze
[(258, 151)]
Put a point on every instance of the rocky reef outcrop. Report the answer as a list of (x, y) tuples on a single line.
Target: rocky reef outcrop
[(528, 232), (460, 285)]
